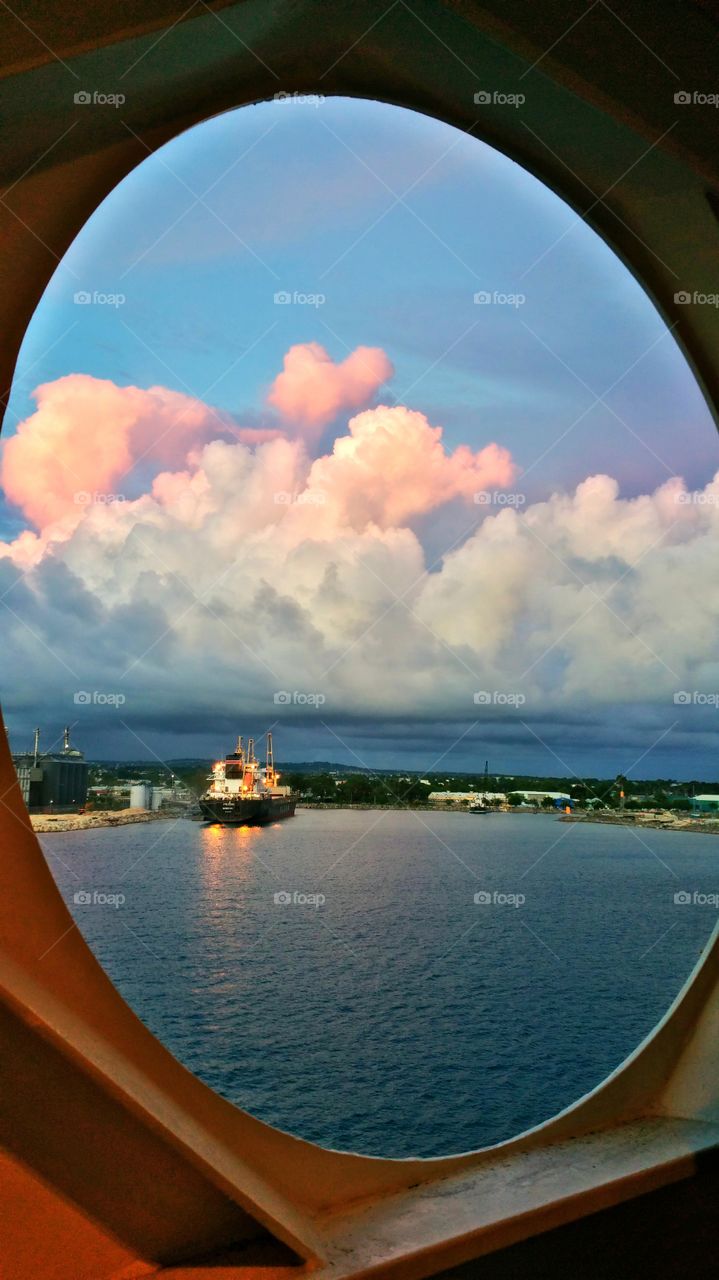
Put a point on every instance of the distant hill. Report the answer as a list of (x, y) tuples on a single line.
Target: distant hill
[(184, 765), (291, 766)]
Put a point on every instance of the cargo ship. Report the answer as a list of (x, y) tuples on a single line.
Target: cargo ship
[(242, 792)]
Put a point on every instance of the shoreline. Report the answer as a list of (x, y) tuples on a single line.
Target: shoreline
[(416, 808), (648, 821), (45, 823)]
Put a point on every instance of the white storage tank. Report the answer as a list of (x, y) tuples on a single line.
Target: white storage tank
[(139, 795), (158, 795)]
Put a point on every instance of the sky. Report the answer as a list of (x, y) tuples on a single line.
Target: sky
[(334, 419)]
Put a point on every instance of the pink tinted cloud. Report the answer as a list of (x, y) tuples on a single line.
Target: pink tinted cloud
[(87, 433), (311, 389), (255, 435), (393, 466)]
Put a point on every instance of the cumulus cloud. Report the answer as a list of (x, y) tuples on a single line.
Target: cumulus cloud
[(393, 466), (87, 433), (252, 568), (312, 390), (592, 596)]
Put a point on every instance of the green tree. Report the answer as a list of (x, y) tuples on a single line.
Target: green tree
[(358, 789), (296, 781), (194, 778), (322, 787), (415, 792)]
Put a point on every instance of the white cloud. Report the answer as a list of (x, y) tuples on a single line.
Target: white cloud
[(210, 592)]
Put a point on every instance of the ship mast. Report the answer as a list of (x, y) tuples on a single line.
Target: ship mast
[(239, 749), (270, 763)]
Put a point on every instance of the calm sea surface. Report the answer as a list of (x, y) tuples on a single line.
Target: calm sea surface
[(399, 1016)]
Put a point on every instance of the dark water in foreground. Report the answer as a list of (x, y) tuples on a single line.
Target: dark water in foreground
[(399, 1017)]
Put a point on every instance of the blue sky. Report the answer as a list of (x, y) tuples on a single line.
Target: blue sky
[(397, 221), (309, 190)]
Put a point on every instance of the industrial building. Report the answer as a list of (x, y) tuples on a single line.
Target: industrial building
[(143, 795), (54, 780)]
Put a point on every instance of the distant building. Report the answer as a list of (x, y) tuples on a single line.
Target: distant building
[(177, 794), (560, 798), (471, 797), (705, 803), (536, 797), (54, 780), (140, 795)]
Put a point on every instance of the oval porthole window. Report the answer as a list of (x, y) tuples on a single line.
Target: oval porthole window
[(358, 513)]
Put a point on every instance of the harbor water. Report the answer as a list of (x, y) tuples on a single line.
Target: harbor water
[(389, 982)]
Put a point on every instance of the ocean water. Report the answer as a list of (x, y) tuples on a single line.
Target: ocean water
[(335, 976)]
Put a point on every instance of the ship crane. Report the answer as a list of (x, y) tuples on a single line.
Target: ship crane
[(270, 777), (250, 768)]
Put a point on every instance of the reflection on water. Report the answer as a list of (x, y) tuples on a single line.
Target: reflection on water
[(219, 844), (390, 982)]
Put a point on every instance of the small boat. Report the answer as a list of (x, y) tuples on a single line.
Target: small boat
[(242, 792)]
